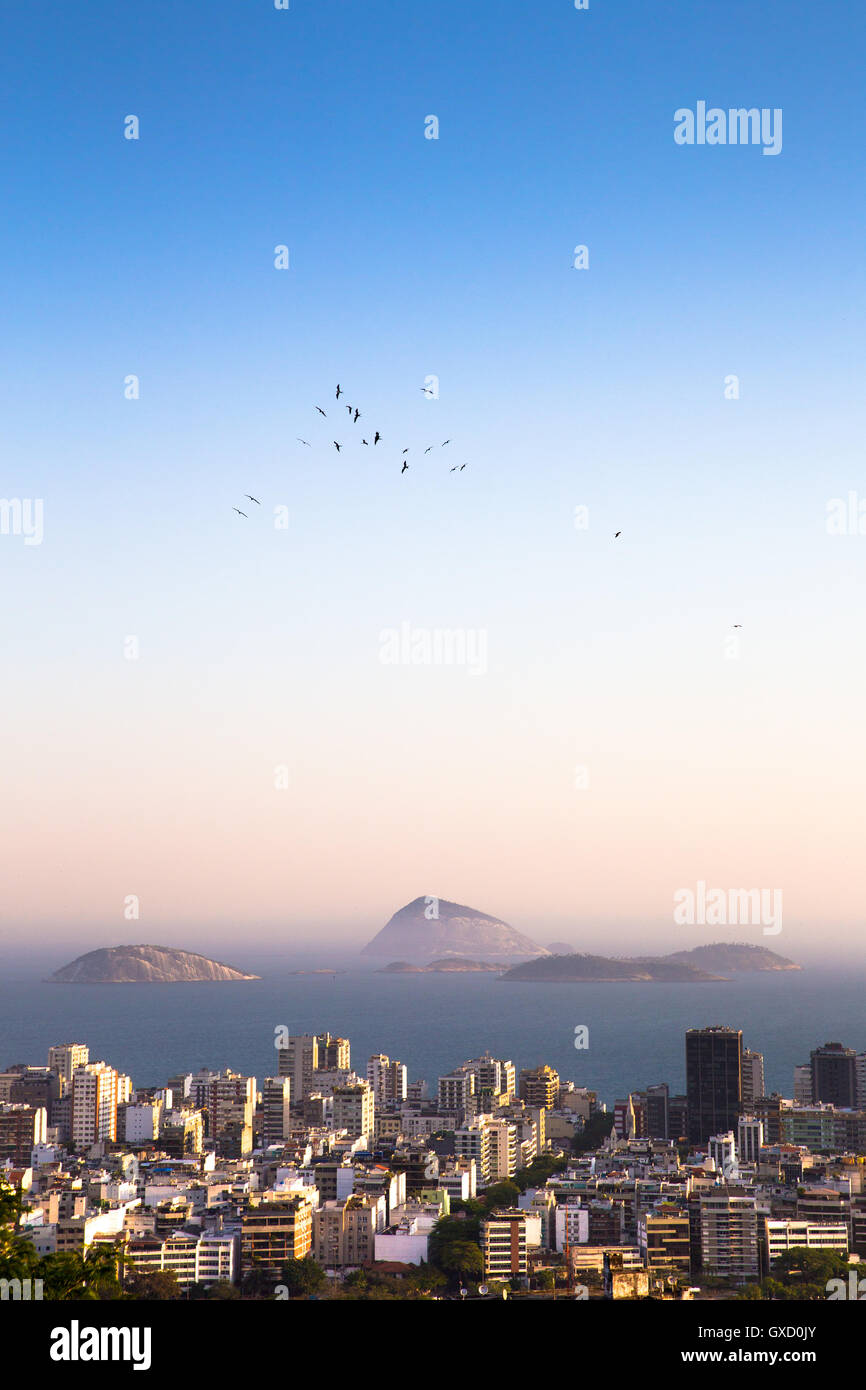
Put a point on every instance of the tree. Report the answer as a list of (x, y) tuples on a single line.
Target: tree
[(594, 1132), (153, 1285), (800, 1275), (501, 1194), (258, 1283), (18, 1258), (220, 1292), (462, 1259), (303, 1277), (81, 1274)]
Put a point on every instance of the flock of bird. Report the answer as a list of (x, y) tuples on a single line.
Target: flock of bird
[(354, 416)]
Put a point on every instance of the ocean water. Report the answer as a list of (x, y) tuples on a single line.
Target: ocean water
[(434, 1022)]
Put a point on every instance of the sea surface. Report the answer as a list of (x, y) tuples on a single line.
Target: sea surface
[(433, 1022)]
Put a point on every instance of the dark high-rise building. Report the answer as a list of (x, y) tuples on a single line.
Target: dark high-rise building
[(678, 1110), (834, 1075), (657, 1104), (714, 1081)]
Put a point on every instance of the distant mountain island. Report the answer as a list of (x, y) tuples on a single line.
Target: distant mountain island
[(452, 965), (432, 929), (733, 955), (682, 967), (136, 965)]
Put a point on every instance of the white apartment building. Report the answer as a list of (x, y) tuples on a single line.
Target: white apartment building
[(723, 1152), (95, 1088), (388, 1080), (459, 1179), (407, 1242), (750, 1138), (472, 1141), (573, 1220), (504, 1149), (141, 1122), (205, 1259), (782, 1236)]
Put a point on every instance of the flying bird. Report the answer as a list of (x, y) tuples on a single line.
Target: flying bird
[(252, 499), (376, 437), (349, 408), (339, 391), (462, 466), (357, 416), (238, 510), (321, 411), (405, 451), (364, 441), (619, 533), (405, 466), (337, 446), (428, 390), (426, 451), (736, 624), (303, 441), (447, 441), (453, 470)]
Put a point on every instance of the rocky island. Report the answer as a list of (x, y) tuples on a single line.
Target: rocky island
[(682, 967), (433, 928), (136, 965), (734, 956)]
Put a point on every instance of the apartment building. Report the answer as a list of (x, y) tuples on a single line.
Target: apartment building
[(729, 1235), (781, 1236), (195, 1259), (96, 1092), (274, 1232), (504, 1245)]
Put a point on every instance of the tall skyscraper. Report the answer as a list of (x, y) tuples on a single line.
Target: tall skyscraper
[(714, 1081), (834, 1075)]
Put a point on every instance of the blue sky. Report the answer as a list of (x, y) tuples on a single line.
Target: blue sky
[(559, 388)]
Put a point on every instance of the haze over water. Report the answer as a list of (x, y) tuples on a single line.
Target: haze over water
[(432, 1022)]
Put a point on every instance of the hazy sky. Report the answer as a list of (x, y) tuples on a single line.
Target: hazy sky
[(604, 744)]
